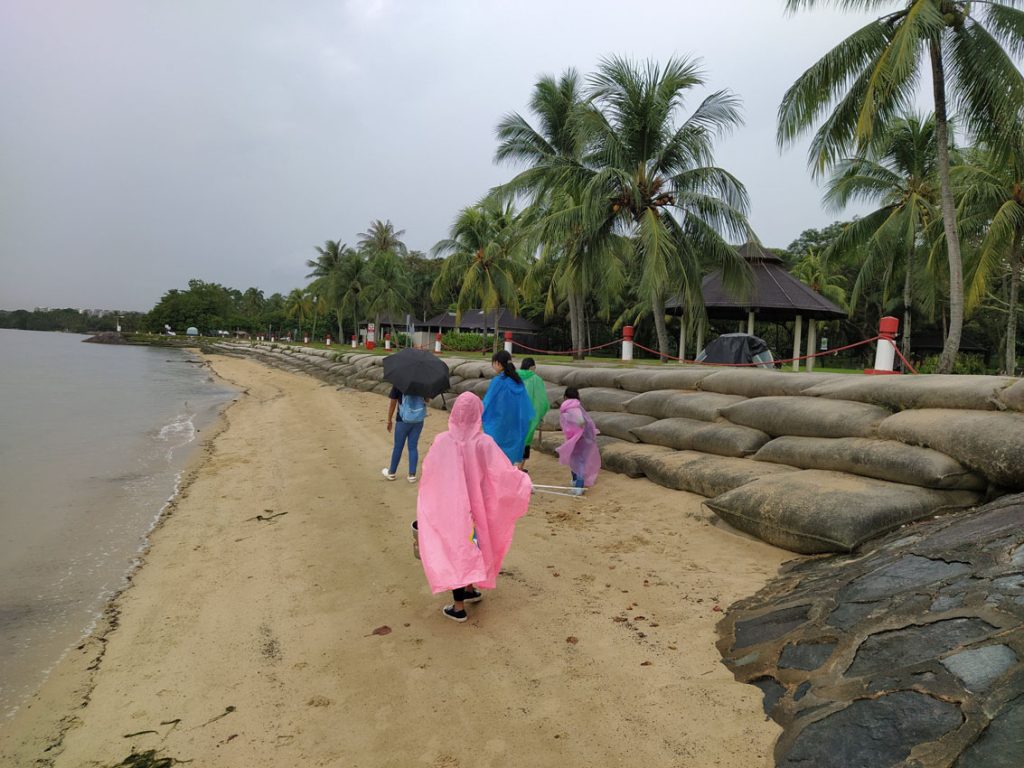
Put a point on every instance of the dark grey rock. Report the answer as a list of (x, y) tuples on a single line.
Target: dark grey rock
[(978, 668), (772, 690), (806, 656), (1002, 743), (848, 615), (873, 732), (886, 651), (909, 572), (946, 603), (770, 626)]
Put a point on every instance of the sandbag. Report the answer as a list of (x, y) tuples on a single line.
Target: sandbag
[(705, 474), (812, 511), (907, 392), (881, 459), (382, 388), (466, 385), (620, 425), (690, 434), (555, 393), (472, 370), (757, 382), (670, 403), (651, 378), (550, 422), (1013, 396), (605, 399), (989, 442), (549, 441), (552, 374), (591, 377), (807, 416), (627, 458)]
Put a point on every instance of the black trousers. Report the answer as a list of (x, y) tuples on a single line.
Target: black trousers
[(460, 594)]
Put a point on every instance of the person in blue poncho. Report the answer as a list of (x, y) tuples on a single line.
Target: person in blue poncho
[(508, 411)]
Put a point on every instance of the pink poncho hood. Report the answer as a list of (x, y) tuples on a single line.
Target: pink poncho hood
[(579, 451), (470, 497)]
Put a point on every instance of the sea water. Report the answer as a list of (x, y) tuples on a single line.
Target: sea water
[(94, 439)]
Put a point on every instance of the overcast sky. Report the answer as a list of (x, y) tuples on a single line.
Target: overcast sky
[(147, 142)]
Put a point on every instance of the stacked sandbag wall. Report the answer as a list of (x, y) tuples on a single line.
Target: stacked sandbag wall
[(809, 462)]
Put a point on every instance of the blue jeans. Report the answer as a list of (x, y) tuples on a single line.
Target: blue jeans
[(577, 480), (406, 431)]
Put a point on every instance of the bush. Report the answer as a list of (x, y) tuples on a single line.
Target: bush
[(966, 364), (466, 342)]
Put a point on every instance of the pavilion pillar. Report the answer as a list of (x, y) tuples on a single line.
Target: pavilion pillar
[(812, 342), (750, 322), (797, 328)]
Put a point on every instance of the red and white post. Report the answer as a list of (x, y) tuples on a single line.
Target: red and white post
[(508, 342), (354, 343), (305, 339), (327, 339), (387, 341), (885, 351), (627, 342), (437, 343)]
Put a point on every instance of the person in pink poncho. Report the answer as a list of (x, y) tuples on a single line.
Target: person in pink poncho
[(579, 451), (469, 500)]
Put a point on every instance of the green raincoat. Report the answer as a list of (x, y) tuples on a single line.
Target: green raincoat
[(539, 397)]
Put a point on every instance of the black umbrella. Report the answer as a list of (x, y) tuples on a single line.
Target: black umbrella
[(416, 372)]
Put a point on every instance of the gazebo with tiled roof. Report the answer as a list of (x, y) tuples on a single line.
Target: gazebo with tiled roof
[(776, 296)]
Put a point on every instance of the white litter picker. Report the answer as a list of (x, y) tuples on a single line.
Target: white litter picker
[(559, 490)]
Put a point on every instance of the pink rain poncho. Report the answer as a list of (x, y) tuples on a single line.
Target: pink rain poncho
[(579, 451), (470, 497)]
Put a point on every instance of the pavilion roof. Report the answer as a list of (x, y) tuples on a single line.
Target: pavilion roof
[(776, 294)]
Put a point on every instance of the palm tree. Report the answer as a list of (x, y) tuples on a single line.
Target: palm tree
[(332, 261), (654, 181), (869, 78), (992, 207), (383, 249), (553, 153), (899, 174), (299, 306), (485, 259)]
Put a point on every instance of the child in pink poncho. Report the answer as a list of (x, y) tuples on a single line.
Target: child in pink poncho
[(579, 451), (469, 500)]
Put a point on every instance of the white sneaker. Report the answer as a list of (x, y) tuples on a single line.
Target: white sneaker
[(413, 478), (387, 474)]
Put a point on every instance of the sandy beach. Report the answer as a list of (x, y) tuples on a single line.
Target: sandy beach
[(247, 637)]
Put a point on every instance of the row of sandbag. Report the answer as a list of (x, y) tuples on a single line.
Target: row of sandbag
[(807, 511)]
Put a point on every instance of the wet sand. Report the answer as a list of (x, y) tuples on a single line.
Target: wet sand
[(247, 637)]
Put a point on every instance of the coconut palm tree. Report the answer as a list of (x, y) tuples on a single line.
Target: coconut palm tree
[(552, 181), (485, 259), (653, 181), (299, 306), (899, 173), (992, 209), (869, 79), (330, 270), (381, 244)]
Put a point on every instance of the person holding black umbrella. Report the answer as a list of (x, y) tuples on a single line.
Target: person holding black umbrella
[(415, 375)]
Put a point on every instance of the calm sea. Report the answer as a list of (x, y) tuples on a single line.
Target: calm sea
[(93, 442)]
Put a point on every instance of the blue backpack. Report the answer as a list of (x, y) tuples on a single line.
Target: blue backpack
[(412, 409)]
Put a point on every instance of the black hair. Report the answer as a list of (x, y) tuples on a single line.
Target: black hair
[(527, 364), (505, 359), (571, 393)]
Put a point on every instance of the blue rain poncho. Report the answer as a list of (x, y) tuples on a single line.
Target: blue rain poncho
[(507, 415)]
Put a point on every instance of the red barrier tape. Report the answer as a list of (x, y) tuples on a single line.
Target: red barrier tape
[(753, 365), (565, 351)]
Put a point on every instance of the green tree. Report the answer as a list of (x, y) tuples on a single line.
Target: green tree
[(868, 80), (299, 307), (654, 181), (386, 286), (899, 174), (485, 259), (992, 208), (330, 271), (571, 266)]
